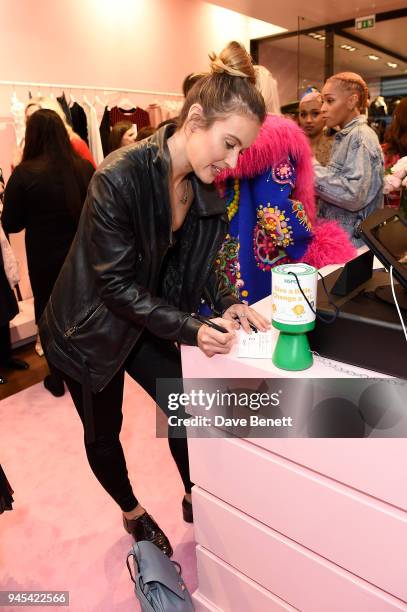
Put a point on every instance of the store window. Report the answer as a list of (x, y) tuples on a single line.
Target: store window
[(303, 59)]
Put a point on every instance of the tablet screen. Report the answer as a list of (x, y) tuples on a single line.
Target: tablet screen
[(392, 235)]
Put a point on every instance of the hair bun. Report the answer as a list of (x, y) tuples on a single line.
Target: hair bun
[(235, 61)]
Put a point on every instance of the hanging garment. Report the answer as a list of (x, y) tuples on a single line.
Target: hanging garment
[(65, 107), (112, 116), (138, 116), (104, 131), (6, 493), (18, 114), (95, 143), (155, 114), (79, 121), (171, 108)]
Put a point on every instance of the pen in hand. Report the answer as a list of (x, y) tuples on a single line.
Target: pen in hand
[(251, 325), (209, 323)]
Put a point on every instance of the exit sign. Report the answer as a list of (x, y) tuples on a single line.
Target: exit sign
[(362, 23)]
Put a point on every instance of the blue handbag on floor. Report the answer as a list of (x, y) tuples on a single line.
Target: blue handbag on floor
[(159, 586)]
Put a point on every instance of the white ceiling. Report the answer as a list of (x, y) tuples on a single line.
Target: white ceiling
[(285, 13)]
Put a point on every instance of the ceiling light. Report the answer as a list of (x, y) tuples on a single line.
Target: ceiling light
[(373, 57), (316, 36), (348, 48), (391, 64)]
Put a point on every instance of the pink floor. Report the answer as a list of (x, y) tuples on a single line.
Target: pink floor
[(64, 532)]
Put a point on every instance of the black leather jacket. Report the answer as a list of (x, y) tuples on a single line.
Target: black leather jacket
[(109, 287)]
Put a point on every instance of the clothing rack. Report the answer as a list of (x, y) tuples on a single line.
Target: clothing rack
[(90, 88)]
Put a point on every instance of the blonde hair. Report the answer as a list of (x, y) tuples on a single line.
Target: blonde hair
[(267, 86), (233, 60), (311, 97), (228, 88), (46, 102), (354, 84)]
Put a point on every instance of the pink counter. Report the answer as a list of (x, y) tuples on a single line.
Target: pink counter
[(317, 525)]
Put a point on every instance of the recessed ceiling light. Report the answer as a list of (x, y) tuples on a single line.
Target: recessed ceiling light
[(316, 36), (373, 57), (391, 64), (348, 47)]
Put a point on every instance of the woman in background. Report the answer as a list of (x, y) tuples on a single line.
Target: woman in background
[(78, 145), (125, 133), (44, 196), (122, 133), (313, 123), (350, 187)]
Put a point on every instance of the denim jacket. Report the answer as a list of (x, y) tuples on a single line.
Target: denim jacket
[(350, 187)]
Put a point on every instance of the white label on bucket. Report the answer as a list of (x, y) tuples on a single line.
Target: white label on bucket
[(288, 304)]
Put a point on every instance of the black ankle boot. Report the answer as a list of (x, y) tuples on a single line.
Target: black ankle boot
[(54, 385), (187, 512), (145, 528)]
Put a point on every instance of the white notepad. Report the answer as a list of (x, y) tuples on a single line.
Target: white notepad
[(255, 345)]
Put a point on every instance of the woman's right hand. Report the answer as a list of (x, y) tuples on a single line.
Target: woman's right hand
[(211, 341)]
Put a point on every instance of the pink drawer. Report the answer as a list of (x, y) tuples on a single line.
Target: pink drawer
[(196, 365), (230, 590), (287, 570), (201, 604), (353, 530), (374, 466)]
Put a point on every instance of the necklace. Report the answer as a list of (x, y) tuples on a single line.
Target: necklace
[(233, 201), (184, 198)]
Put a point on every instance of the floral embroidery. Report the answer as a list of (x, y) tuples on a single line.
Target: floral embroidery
[(300, 213), (275, 224), (272, 234), (283, 173), (266, 252), (227, 265)]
